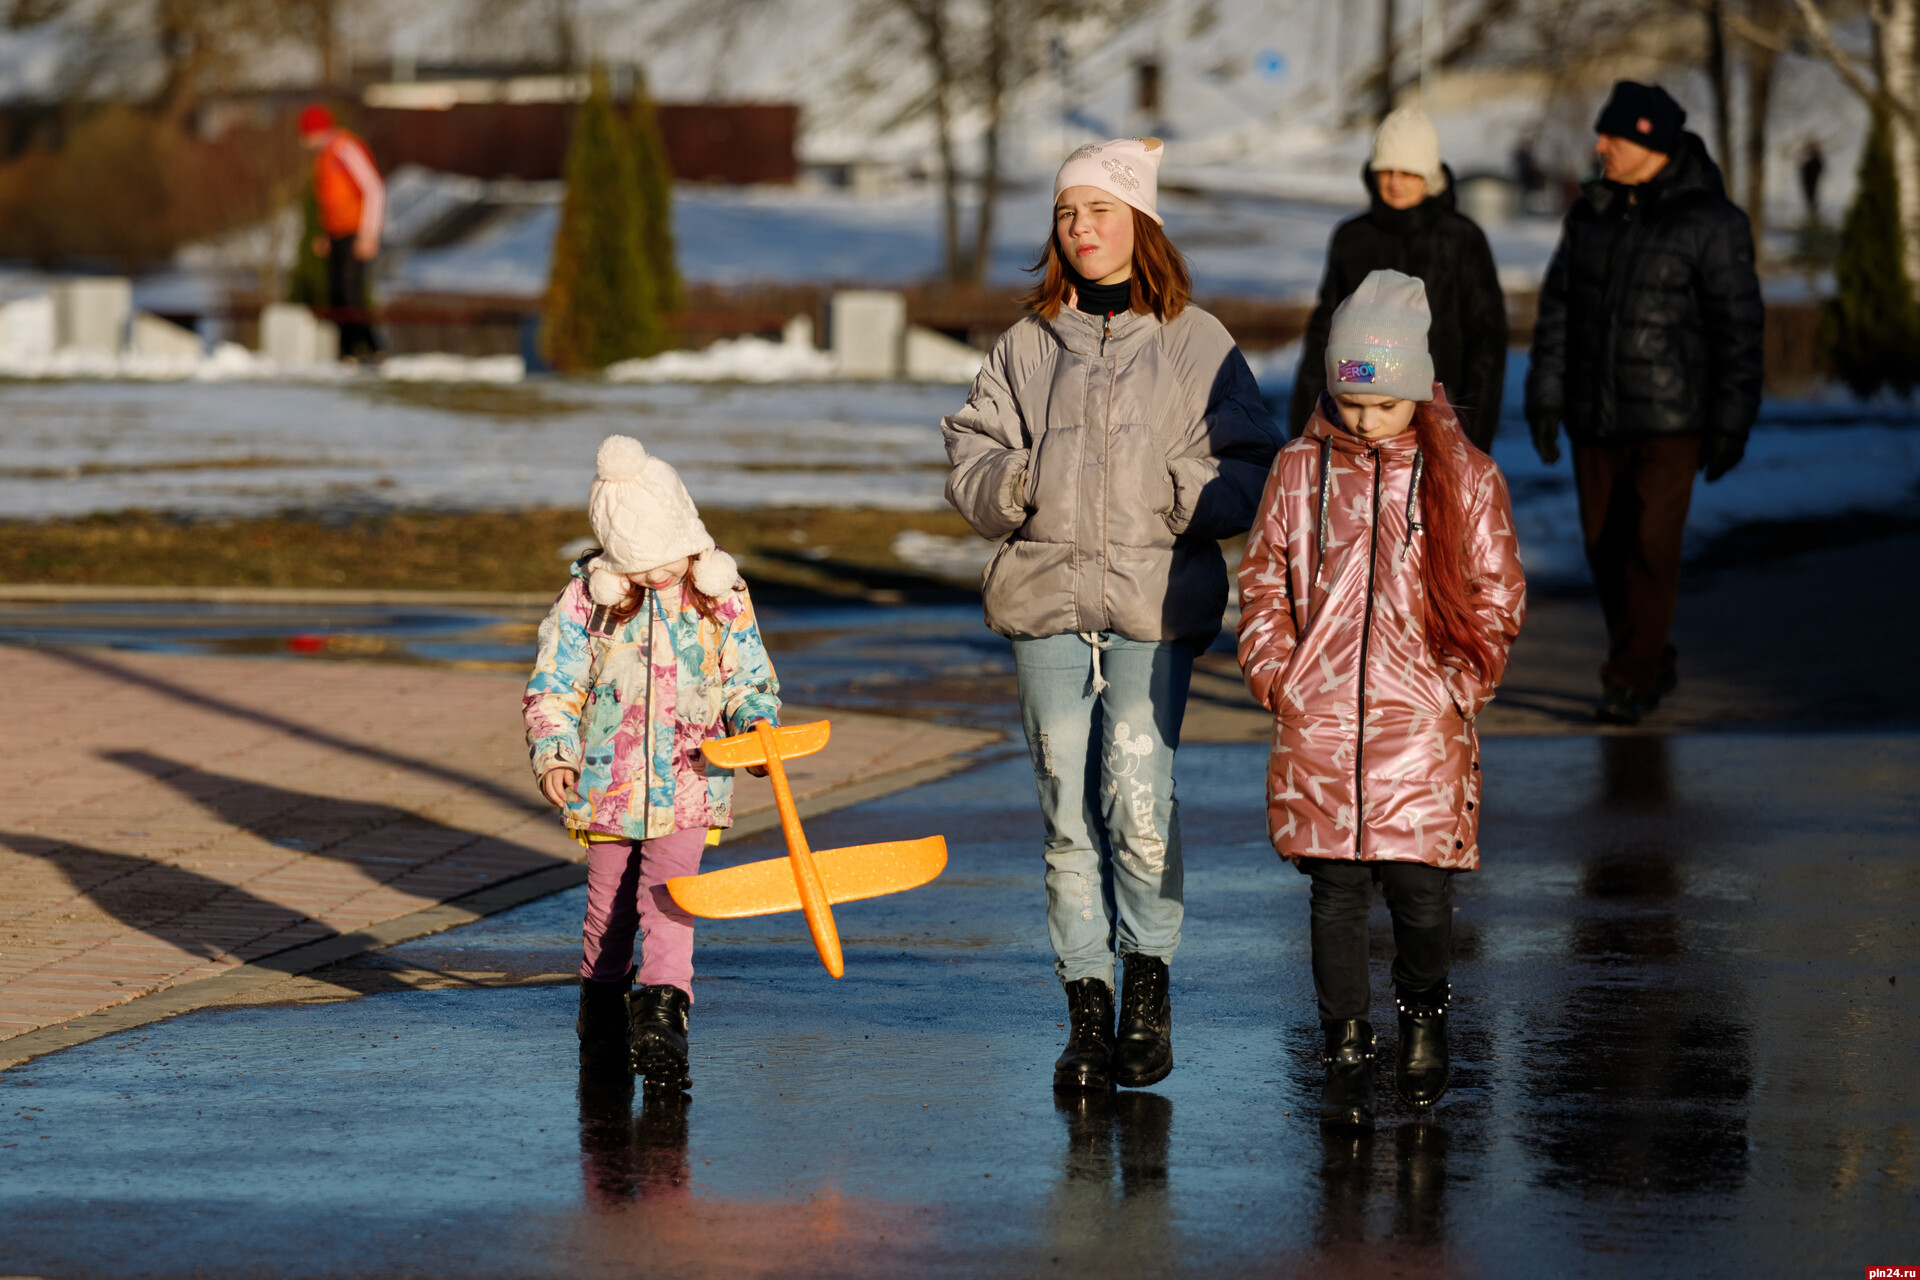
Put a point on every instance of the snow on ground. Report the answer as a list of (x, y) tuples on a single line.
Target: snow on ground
[(1244, 245), (210, 450)]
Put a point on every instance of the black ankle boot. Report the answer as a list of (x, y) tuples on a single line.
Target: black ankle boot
[(660, 1037), (602, 1024), (1143, 1051), (1085, 1066), (1347, 1096), (1424, 1065)]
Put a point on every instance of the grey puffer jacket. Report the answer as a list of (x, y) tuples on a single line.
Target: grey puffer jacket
[(1116, 452)]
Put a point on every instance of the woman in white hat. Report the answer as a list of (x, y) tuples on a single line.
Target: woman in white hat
[(1412, 226), (1114, 436)]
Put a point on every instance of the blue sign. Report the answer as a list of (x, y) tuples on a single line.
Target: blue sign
[(1271, 64)]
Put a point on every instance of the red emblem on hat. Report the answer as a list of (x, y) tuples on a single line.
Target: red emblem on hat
[(1644, 125)]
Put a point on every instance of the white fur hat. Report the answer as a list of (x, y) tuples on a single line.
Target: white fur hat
[(1408, 142), (1125, 167), (644, 518)]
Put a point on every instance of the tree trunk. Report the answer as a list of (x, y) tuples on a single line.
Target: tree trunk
[(999, 51), (1717, 80), (931, 17), (1760, 63), (1899, 42), (1389, 19)]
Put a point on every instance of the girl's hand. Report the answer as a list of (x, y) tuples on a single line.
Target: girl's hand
[(757, 770), (555, 783)]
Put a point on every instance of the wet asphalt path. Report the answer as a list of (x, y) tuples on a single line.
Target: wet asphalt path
[(1686, 1037)]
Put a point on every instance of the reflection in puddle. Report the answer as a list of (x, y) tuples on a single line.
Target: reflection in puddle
[(1641, 1077)]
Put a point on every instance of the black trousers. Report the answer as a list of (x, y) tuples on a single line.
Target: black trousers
[(347, 287), (1633, 514), (1421, 900)]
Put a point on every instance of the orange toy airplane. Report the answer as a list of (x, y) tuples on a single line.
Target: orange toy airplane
[(803, 880)]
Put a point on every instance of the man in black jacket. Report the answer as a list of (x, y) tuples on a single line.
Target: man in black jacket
[(1648, 348), (1413, 228)]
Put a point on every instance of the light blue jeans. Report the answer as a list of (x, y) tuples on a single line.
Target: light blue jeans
[(1104, 760)]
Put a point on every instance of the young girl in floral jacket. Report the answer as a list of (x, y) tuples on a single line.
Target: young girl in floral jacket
[(1379, 596), (651, 651)]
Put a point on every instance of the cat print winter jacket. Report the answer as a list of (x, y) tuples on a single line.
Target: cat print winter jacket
[(1374, 751), (629, 704)]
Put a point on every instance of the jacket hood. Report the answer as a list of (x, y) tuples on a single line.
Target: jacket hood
[(1325, 424), (1395, 220), (1690, 172)]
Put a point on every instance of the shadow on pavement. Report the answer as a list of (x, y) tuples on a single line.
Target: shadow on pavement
[(214, 919)]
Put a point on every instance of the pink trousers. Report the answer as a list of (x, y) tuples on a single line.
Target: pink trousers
[(627, 894)]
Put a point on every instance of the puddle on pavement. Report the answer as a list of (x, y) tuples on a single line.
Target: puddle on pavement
[(1645, 1079)]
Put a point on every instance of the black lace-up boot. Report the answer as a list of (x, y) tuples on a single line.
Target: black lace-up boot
[(1347, 1096), (1143, 1051), (602, 1024), (660, 1037), (1424, 1066), (1087, 1064)]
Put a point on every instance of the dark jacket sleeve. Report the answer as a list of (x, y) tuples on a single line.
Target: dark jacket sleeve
[(1218, 476), (1311, 379), (1547, 366), (1484, 312), (1735, 320)]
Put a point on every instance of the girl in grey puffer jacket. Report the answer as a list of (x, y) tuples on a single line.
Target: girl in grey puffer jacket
[(1114, 436)]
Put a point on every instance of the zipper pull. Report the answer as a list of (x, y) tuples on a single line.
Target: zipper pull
[(1106, 331)]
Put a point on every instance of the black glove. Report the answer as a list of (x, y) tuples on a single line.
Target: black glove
[(1721, 454), (1546, 435)]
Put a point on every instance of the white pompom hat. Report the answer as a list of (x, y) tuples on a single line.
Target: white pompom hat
[(1125, 167), (644, 518)]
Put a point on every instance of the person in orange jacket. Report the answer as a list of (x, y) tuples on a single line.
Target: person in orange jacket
[(353, 202)]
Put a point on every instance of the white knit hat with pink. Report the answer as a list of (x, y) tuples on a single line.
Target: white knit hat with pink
[(1125, 167), (644, 518)]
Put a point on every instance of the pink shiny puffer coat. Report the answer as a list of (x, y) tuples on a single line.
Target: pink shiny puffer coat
[(1367, 718)]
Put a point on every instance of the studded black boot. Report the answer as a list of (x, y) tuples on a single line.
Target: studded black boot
[(660, 1037), (1143, 1050), (1087, 1064), (1347, 1096), (1424, 1066), (602, 1024)]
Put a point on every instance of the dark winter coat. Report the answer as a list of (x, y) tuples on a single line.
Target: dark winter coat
[(1650, 317), (1443, 247)]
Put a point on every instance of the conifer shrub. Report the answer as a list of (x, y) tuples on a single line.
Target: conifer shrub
[(655, 176), (307, 281), (600, 304), (1870, 329)]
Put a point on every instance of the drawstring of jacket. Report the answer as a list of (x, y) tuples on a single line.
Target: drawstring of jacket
[(1326, 505), (1413, 501), (1326, 517), (1095, 643)]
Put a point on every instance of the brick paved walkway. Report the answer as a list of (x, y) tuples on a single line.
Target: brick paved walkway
[(164, 819)]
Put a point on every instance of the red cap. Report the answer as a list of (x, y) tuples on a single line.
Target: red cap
[(315, 119)]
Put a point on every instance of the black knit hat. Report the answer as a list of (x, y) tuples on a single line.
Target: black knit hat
[(1642, 113)]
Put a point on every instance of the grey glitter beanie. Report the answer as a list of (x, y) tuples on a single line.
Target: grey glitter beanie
[(1377, 344)]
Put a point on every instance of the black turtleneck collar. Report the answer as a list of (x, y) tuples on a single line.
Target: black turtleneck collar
[(1102, 299)]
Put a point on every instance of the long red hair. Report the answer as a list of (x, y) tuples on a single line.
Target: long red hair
[(1456, 634), (1162, 285)]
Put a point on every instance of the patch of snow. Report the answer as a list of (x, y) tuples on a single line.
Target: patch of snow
[(438, 366), (76, 447), (954, 559), (745, 359)]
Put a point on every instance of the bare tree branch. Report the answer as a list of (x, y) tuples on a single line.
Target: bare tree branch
[(1840, 61)]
